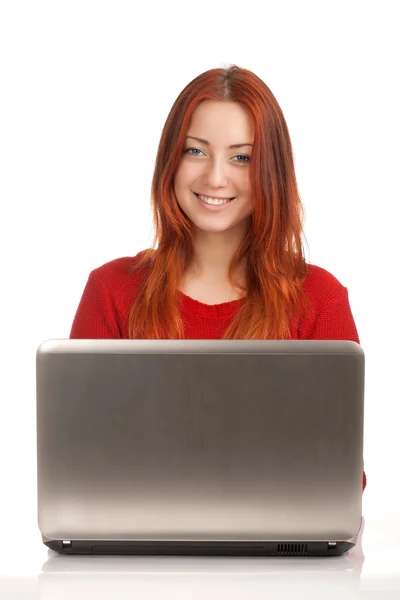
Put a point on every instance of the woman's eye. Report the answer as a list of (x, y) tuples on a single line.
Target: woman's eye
[(195, 149), (242, 156)]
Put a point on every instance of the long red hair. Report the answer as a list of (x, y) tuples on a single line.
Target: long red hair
[(272, 248)]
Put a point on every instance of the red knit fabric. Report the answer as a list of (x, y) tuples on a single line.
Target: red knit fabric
[(110, 289)]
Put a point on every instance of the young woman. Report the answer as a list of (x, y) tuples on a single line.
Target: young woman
[(227, 260)]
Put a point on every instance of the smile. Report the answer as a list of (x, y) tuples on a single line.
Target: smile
[(214, 201)]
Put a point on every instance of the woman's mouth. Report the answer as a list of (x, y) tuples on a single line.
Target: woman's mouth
[(213, 202)]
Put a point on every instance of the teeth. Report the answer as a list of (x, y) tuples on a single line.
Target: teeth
[(213, 200)]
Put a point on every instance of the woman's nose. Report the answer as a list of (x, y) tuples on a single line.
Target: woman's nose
[(215, 175)]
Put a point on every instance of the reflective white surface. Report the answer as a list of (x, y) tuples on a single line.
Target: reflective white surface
[(371, 570)]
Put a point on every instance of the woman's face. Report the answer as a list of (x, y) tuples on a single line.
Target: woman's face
[(212, 168)]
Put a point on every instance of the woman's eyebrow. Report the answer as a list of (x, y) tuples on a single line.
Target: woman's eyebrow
[(208, 143)]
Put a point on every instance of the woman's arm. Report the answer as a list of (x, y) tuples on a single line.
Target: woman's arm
[(335, 321), (96, 316)]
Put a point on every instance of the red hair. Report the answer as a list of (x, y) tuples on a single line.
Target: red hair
[(272, 248)]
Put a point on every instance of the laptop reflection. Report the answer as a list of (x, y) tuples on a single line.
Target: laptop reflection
[(198, 577)]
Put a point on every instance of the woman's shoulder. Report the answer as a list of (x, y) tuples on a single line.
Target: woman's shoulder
[(329, 317), (120, 273), (321, 285), (119, 267)]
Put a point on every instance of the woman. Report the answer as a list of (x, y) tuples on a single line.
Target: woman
[(229, 261)]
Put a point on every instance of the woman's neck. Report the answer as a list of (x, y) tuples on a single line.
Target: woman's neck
[(213, 254)]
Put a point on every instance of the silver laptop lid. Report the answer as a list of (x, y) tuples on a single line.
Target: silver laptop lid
[(214, 440)]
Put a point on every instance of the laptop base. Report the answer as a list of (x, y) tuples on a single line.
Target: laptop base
[(201, 548)]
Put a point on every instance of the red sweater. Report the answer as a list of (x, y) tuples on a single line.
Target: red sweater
[(109, 291)]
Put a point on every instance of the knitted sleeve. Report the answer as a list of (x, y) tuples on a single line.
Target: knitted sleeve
[(336, 322), (96, 316)]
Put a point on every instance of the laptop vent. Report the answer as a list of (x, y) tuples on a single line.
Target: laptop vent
[(292, 549)]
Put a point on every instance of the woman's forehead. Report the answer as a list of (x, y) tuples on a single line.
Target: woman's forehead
[(218, 122)]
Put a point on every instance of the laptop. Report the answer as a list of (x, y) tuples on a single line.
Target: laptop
[(200, 447)]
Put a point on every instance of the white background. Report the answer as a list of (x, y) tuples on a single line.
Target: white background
[(85, 91)]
